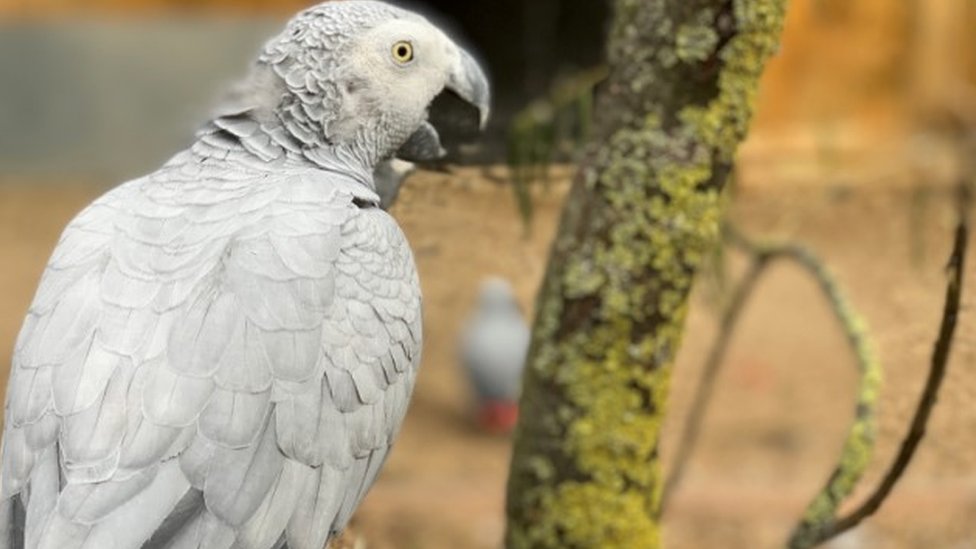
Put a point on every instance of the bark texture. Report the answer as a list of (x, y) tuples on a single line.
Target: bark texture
[(643, 212)]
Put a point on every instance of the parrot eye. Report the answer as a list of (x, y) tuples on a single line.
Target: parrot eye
[(403, 52)]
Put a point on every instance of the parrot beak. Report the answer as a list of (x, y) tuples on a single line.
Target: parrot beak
[(456, 116), (469, 82)]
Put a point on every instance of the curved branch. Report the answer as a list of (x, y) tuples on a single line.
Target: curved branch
[(860, 440), (940, 359), (859, 445)]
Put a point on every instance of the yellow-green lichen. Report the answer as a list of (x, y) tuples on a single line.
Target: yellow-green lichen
[(695, 42), (643, 216)]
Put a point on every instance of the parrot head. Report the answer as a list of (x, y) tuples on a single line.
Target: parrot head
[(364, 80)]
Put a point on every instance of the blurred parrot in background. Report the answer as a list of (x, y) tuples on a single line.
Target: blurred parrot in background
[(494, 344), (220, 353)]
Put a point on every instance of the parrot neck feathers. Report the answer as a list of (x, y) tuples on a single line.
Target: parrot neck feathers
[(242, 138), (268, 119)]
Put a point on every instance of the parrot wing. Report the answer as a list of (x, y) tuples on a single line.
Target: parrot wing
[(211, 359)]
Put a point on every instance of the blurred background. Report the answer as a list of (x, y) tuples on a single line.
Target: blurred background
[(851, 152)]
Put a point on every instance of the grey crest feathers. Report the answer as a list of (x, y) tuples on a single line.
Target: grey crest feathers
[(494, 344), (220, 353)]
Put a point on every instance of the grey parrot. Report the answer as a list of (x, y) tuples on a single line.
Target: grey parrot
[(493, 346), (220, 353)]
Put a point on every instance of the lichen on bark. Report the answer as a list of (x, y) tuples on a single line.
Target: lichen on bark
[(643, 213)]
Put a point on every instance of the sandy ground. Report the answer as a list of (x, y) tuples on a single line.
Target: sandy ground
[(782, 402)]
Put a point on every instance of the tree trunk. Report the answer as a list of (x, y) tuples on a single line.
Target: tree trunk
[(643, 212)]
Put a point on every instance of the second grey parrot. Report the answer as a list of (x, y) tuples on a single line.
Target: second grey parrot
[(493, 345), (220, 353)]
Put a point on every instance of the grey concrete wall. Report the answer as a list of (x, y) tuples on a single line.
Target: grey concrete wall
[(112, 99)]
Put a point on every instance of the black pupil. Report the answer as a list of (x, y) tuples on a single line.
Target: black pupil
[(402, 52)]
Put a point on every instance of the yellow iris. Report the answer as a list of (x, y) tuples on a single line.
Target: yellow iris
[(403, 52)]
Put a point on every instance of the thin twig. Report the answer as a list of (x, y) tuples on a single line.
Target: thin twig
[(706, 383), (940, 359), (537, 130)]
